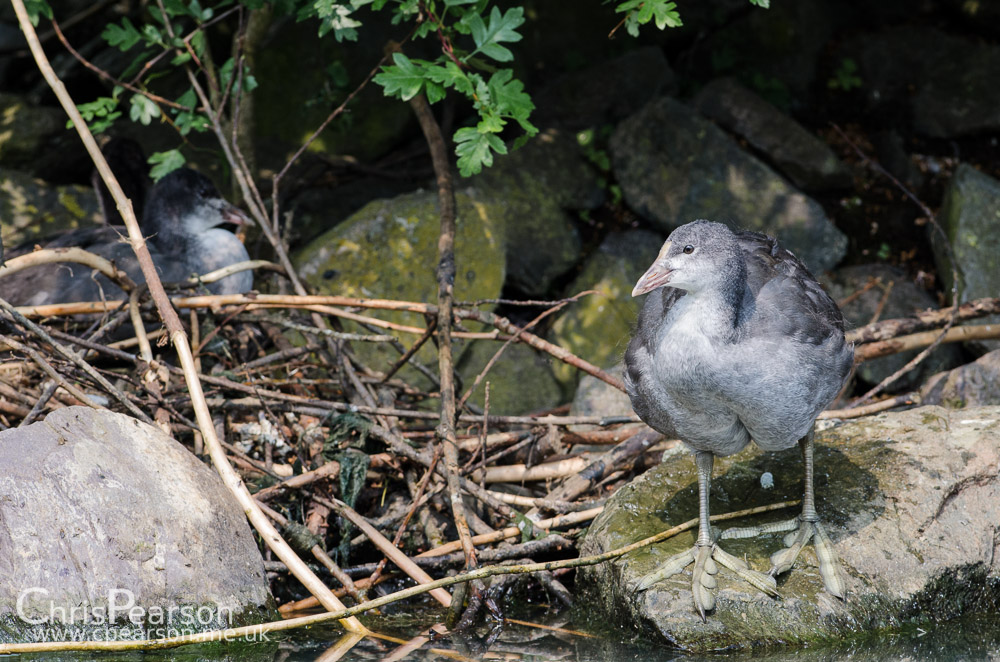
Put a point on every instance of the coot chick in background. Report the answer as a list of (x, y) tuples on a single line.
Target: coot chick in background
[(182, 224), (736, 341), (128, 163)]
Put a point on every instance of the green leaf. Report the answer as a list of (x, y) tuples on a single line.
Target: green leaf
[(404, 79), (99, 114), (123, 37), (763, 4), (501, 28), (475, 150), (36, 8), (143, 110), (165, 163)]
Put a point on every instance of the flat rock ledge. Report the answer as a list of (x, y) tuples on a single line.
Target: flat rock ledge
[(910, 499), (110, 529)]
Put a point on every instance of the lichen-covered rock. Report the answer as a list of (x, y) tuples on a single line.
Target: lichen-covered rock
[(102, 513), (674, 167), (911, 501), (388, 250), (904, 299), (32, 209), (530, 189), (968, 216), (597, 327), (973, 385), (786, 144), (521, 380)]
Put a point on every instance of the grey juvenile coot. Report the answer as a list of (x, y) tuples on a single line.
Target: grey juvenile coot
[(737, 341), (181, 222)]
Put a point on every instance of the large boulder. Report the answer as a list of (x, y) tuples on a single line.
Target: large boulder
[(968, 217), (786, 144), (103, 514), (597, 327), (904, 299), (910, 499), (674, 167)]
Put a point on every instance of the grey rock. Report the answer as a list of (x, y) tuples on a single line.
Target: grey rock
[(675, 167), (99, 510), (904, 299), (968, 216), (598, 326), (910, 499), (973, 385), (607, 92), (530, 190), (786, 144), (947, 90)]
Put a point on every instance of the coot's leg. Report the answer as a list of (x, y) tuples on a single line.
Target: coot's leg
[(810, 527), (803, 528), (705, 552)]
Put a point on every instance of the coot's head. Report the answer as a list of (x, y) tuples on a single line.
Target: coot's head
[(186, 202), (698, 256)]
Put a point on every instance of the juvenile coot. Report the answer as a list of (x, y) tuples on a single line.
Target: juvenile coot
[(181, 222), (737, 341)]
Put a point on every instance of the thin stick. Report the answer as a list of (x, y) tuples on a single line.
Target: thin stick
[(445, 299)]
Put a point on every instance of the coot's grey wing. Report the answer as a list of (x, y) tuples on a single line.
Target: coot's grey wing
[(781, 283)]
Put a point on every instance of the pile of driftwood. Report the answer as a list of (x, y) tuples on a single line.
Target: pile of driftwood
[(347, 460)]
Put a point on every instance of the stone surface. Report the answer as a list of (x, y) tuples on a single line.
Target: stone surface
[(24, 130), (675, 167), (528, 191), (598, 326), (99, 509), (607, 92), (969, 218), (521, 380), (946, 91), (904, 299), (973, 385), (30, 209), (786, 144), (388, 250), (911, 501)]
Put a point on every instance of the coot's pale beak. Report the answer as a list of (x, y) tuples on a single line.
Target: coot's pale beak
[(656, 276)]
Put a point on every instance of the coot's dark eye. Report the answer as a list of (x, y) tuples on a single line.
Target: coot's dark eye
[(689, 249)]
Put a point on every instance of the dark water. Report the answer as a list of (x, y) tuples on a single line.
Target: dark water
[(974, 638)]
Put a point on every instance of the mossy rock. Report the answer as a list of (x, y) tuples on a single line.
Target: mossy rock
[(597, 327), (909, 499), (521, 381), (32, 209), (388, 250)]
